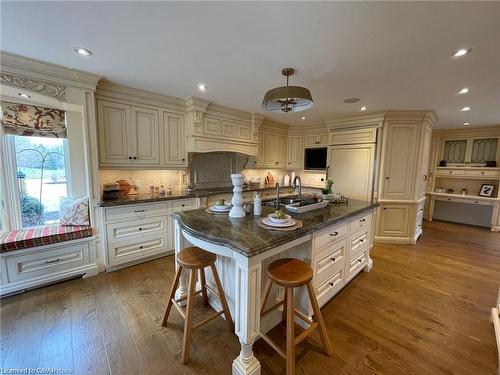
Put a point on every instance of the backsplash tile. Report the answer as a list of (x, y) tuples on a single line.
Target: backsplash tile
[(173, 178)]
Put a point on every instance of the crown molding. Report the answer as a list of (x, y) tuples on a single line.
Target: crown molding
[(375, 119), (27, 69), (485, 131), (109, 90)]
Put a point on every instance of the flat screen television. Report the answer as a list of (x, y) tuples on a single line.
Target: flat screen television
[(315, 158)]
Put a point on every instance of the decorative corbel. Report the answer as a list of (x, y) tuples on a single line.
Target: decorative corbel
[(256, 123)]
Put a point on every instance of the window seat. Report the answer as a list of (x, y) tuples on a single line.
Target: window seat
[(40, 236)]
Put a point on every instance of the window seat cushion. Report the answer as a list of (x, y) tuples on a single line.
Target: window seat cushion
[(44, 235)]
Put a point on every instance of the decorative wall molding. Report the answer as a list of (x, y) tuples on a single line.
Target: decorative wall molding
[(49, 89)]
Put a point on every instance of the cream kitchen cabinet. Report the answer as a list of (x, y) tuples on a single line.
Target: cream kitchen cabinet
[(316, 140), (272, 152), (394, 220), (352, 168), (172, 133), (128, 135), (295, 152)]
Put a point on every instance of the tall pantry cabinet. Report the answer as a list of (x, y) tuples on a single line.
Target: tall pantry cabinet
[(406, 147)]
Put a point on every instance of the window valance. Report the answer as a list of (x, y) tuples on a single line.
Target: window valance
[(30, 120)]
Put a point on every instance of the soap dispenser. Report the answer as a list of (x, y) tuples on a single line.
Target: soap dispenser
[(257, 204)]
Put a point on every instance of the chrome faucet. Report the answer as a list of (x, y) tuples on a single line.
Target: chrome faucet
[(300, 186), (277, 196)]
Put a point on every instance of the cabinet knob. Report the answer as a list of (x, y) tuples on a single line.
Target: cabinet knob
[(362, 220), (451, 172), (360, 260), (361, 240), (332, 259), (183, 205), (385, 208), (387, 178), (476, 202), (135, 157), (331, 284), (130, 157), (183, 159), (140, 228), (334, 234), (289, 162), (482, 172), (449, 199)]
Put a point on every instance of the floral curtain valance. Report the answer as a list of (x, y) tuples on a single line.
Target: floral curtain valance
[(30, 120)]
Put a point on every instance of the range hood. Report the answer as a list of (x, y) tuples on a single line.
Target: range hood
[(213, 128)]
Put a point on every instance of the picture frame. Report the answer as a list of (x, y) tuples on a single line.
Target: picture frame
[(486, 190)]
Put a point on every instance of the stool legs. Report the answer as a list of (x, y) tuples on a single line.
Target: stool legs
[(203, 283), (290, 332), (319, 318), (189, 316), (222, 298), (172, 295)]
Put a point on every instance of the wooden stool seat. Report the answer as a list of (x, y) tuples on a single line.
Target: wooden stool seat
[(195, 259), (289, 272), (293, 273)]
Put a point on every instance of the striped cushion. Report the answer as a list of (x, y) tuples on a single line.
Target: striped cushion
[(38, 236)]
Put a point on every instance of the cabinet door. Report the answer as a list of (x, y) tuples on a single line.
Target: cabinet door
[(281, 145), (114, 122), (174, 139), (400, 160), (144, 134), (323, 139), (270, 152), (394, 220), (351, 168), (423, 176), (312, 140), (228, 129), (294, 152)]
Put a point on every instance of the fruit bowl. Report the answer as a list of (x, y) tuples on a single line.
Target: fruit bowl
[(275, 219)]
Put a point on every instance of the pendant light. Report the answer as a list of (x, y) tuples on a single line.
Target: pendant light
[(287, 98)]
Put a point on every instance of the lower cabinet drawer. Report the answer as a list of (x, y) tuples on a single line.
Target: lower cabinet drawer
[(135, 211), (480, 173), (132, 250), (126, 230), (358, 240), (360, 222), (330, 235), (356, 252), (183, 204), (328, 261), (357, 263), (326, 290), (46, 263)]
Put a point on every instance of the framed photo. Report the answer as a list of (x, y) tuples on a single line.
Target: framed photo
[(486, 190)]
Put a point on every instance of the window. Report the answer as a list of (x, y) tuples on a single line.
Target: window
[(41, 178)]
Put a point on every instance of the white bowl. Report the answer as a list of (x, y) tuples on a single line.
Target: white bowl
[(274, 219)]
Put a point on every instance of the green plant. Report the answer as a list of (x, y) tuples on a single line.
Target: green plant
[(328, 187), (31, 211)]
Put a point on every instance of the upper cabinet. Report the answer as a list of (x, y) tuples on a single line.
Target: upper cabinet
[(131, 136), (173, 135), (471, 150), (295, 152), (272, 150), (114, 122), (316, 140)]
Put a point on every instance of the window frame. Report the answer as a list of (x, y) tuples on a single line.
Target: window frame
[(11, 206)]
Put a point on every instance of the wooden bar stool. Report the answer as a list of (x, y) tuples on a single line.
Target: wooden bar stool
[(195, 259), (293, 273)]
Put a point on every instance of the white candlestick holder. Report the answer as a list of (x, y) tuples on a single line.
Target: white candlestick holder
[(237, 210)]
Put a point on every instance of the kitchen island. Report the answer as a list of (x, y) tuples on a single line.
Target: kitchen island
[(336, 242)]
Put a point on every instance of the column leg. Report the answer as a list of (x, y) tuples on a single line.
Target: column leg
[(180, 243), (247, 317)]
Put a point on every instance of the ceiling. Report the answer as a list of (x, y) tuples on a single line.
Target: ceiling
[(391, 55)]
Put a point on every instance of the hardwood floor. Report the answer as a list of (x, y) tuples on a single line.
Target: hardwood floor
[(422, 309)]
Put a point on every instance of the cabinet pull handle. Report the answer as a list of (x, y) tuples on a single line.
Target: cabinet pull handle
[(360, 260), (449, 199), (130, 157), (334, 234), (140, 228), (52, 261), (362, 220), (387, 178), (361, 240), (476, 202), (137, 211), (331, 284), (425, 177), (140, 247), (332, 259), (482, 172), (135, 157)]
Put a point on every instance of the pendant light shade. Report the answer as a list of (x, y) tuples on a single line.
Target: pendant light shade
[(287, 98)]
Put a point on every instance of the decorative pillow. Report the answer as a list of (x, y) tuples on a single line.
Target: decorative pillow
[(74, 211)]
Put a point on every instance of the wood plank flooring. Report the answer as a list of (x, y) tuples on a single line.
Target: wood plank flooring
[(422, 309)]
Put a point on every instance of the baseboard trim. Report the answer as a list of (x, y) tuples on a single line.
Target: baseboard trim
[(393, 240)]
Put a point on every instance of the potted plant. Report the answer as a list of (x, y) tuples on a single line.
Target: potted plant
[(327, 191)]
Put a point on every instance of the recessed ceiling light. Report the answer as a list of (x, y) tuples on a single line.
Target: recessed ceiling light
[(466, 123), (351, 100), (461, 52), (363, 108), (82, 51), (202, 87), (24, 95), (464, 109), (465, 90), (303, 118)]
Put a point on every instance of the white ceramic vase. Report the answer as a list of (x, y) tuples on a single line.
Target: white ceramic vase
[(237, 210)]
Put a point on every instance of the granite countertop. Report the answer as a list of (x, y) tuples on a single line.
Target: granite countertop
[(247, 238), (181, 194)]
